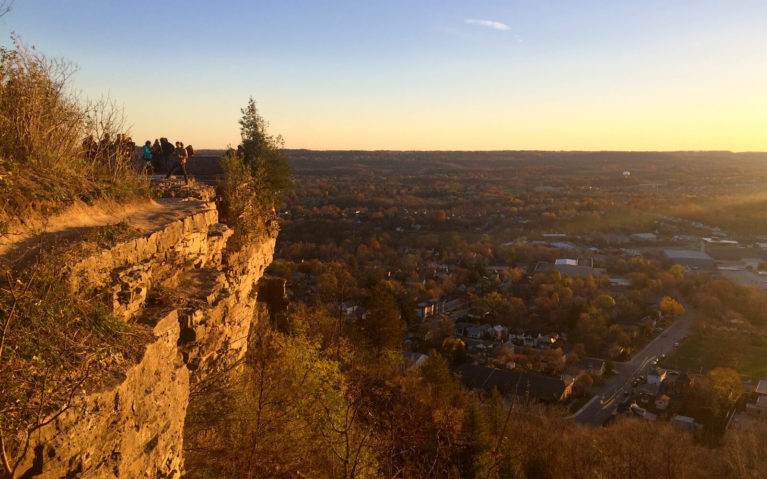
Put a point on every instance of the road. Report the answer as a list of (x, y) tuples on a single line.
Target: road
[(610, 394)]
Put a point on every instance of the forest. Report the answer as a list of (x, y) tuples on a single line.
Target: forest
[(369, 240)]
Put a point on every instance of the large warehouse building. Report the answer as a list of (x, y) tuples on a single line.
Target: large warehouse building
[(690, 258)]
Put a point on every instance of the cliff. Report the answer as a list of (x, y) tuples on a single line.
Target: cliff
[(198, 298)]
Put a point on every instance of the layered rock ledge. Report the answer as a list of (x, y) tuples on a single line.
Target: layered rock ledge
[(133, 427)]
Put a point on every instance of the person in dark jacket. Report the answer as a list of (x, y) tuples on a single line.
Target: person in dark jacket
[(157, 156), (179, 156), (167, 151)]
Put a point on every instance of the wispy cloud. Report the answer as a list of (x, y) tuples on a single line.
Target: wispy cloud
[(488, 23)]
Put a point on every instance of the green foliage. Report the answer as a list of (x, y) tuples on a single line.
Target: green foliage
[(262, 152), (254, 176), (286, 412)]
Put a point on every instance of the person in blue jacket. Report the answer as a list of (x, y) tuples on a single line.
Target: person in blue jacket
[(147, 149)]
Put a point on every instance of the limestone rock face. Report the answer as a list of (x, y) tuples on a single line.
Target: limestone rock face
[(135, 428)]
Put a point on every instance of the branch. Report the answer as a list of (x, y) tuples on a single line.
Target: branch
[(5, 6)]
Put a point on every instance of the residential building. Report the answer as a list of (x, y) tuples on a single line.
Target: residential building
[(515, 383)]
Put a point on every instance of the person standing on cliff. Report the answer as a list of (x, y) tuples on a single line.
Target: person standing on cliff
[(167, 151), (147, 155), (180, 156), (157, 157)]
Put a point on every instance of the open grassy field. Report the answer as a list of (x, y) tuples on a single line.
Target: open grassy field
[(705, 353)]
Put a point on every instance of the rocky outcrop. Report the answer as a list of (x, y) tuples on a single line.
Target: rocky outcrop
[(135, 428)]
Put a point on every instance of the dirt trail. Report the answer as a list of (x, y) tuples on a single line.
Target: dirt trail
[(146, 216)]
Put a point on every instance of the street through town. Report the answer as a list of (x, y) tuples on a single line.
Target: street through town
[(610, 394)]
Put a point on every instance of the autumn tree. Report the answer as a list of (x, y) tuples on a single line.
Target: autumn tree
[(671, 306), (382, 325)]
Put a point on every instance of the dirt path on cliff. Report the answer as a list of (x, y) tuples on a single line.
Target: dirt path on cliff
[(145, 216)]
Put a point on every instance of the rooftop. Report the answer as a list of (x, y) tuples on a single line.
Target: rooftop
[(518, 383), (687, 254), (761, 388), (571, 262)]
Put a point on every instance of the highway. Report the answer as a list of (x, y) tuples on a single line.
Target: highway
[(610, 394)]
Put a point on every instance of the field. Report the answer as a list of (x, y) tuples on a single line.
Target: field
[(704, 353)]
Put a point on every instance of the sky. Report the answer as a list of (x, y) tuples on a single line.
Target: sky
[(421, 74)]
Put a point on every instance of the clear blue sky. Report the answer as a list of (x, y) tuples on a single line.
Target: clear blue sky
[(515, 74)]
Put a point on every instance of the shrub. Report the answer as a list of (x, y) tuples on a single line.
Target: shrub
[(44, 161), (254, 176)]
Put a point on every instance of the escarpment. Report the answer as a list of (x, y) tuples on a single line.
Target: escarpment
[(198, 298)]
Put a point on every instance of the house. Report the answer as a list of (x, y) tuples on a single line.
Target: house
[(656, 376), (647, 393), (574, 267), (474, 332), (499, 332), (547, 341), (677, 382), (515, 383), (424, 310), (643, 237), (453, 305), (412, 360), (759, 406), (619, 281), (685, 422), (437, 305), (497, 271), (517, 336), (594, 366), (350, 309), (761, 387), (531, 338), (661, 402), (642, 412), (461, 328), (478, 332)]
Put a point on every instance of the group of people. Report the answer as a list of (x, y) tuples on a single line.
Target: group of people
[(108, 150), (163, 156)]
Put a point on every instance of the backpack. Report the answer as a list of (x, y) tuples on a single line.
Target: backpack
[(190, 150)]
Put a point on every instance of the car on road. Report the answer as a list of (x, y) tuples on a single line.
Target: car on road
[(676, 344)]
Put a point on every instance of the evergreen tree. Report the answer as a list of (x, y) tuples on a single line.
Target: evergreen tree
[(262, 152)]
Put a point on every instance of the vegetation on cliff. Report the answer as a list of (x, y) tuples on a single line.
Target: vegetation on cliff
[(254, 176), (45, 162), (54, 342)]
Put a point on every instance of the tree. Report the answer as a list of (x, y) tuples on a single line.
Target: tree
[(382, 326), (678, 271), (254, 176), (671, 306), (725, 385), (262, 152)]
